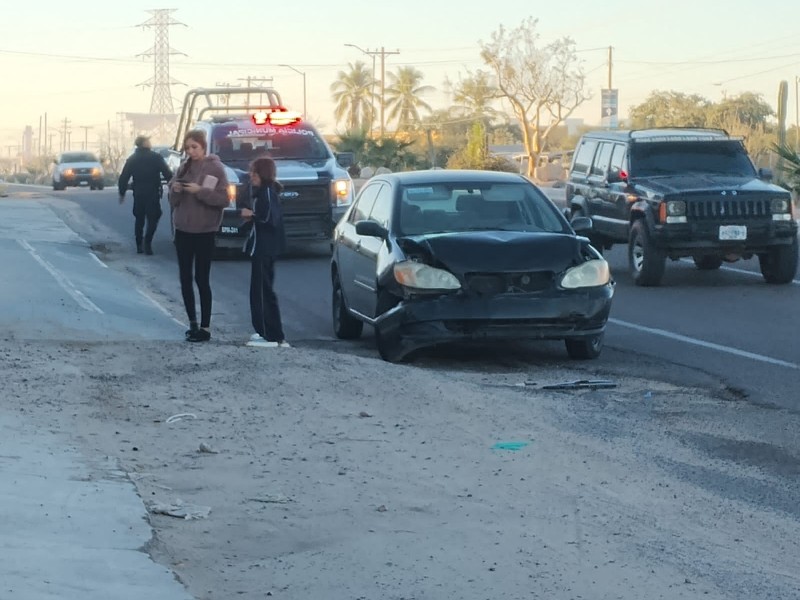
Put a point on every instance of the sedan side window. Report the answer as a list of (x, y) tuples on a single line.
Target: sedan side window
[(364, 203), (602, 159), (382, 209)]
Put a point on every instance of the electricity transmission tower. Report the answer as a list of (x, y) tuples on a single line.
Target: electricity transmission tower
[(161, 102)]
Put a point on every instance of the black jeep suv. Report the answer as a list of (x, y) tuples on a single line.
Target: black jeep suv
[(673, 193)]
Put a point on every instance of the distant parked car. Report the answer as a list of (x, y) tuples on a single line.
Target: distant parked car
[(428, 257), (73, 169)]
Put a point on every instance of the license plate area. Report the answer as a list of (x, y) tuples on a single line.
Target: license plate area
[(732, 232), (228, 229)]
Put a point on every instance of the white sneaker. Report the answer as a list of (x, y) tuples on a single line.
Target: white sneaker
[(256, 341), (284, 344)]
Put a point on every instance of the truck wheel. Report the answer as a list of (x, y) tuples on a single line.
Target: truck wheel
[(779, 263), (345, 325), (646, 261), (707, 263), (584, 348)]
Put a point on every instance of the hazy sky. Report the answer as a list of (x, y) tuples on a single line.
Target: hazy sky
[(77, 59)]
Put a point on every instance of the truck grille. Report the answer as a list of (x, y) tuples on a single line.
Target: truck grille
[(306, 199), (715, 209)]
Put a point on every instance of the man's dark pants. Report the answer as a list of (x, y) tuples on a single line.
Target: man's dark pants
[(147, 210)]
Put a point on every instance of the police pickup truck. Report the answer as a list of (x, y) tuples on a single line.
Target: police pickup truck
[(317, 187)]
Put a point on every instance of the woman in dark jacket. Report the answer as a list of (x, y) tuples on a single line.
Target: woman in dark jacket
[(267, 240)]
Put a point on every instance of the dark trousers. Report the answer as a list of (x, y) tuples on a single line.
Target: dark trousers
[(195, 251), (146, 210), (264, 311)]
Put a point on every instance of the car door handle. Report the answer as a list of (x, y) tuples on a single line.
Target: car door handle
[(358, 246)]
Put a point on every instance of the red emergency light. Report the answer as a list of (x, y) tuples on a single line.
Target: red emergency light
[(277, 116)]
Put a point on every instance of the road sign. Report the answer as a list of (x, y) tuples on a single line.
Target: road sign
[(609, 107)]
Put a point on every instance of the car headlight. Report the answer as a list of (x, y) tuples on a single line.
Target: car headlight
[(97, 171), (232, 193), (781, 209), (68, 173), (342, 190), (592, 273), (419, 276)]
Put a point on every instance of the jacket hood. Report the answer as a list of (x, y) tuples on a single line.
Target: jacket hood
[(705, 183), (498, 251)]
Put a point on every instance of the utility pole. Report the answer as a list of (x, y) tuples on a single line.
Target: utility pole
[(65, 135), (251, 79), (610, 64), (796, 114), (227, 100), (86, 129), (47, 148)]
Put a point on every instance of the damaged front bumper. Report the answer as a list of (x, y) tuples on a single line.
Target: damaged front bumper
[(554, 315)]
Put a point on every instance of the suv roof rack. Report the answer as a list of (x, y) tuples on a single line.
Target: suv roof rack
[(218, 100), (667, 131)]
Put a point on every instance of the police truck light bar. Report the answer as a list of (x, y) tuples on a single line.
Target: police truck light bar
[(276, 116)]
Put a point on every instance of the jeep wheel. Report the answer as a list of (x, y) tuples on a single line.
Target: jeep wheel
[(584, 348), (779, 263), (707, 263), (646, 261), (345, 326)]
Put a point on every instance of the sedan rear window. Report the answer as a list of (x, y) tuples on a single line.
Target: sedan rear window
[(446, 208)]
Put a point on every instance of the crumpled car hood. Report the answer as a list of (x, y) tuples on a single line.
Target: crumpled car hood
[(498, 251)]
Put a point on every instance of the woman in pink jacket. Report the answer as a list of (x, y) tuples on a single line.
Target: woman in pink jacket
[(198, 193)]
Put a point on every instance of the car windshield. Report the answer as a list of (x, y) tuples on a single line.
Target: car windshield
[(243, 142), (674, 158), (458, 207), (77, 157)]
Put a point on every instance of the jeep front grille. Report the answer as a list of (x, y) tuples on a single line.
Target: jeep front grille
[(715, 209)]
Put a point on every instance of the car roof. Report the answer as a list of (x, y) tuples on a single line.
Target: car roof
[(451, 176), (660, 134)]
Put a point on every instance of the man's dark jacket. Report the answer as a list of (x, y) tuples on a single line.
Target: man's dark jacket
[(146, 168)]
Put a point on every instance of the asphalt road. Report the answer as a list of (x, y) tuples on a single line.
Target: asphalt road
[(724, 329)]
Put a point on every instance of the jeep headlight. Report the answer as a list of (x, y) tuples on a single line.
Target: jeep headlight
[(592, 273), (419, 276), (781, 209), (674, 211), (342, 190)]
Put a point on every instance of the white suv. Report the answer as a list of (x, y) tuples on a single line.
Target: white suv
[(74, 169)]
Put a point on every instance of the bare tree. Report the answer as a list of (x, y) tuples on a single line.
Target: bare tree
[(544, 85)]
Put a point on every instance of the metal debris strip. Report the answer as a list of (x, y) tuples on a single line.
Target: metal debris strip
[(581, 384), (180, 417), (181, 510), (513, 446)]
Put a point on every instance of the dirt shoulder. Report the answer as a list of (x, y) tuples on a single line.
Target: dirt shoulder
[(330, 475)]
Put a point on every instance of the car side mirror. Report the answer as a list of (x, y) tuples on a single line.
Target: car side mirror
[(371, 229), (765, 174), (581, 225), (345, 159)]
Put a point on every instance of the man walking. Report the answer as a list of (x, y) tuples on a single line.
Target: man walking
[(146, 168)]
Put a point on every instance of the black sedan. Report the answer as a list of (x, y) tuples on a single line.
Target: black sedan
[(429, 257)]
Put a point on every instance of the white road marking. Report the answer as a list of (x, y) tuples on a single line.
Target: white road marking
[(710, 345), (162, 309), (63, 281), (100, 262), (737, 270)]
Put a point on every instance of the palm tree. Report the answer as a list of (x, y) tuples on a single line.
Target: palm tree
[(474, 95), (352, 93), (403, 97)]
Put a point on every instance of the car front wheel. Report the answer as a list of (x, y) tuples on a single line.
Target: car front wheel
[(779, 263), (584, 348), (345, 326), (646, 261)]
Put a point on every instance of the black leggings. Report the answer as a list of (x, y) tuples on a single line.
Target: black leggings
[(194, 254)]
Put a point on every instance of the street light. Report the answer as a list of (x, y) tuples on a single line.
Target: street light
[(372, 55), (304, 86)]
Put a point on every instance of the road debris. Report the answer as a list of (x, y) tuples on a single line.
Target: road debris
[(271, 499), (206, 449), (513, 446), (180, 510), (581, 384), (180, 417)]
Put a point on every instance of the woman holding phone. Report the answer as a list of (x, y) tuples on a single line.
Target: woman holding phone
[(198, 193), (267, 240)]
